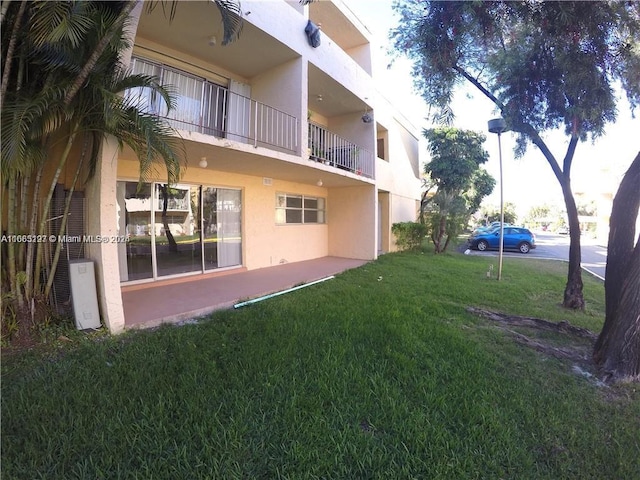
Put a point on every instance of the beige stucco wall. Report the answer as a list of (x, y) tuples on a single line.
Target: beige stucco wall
[(283, 87), (265, 243), (352, 222)]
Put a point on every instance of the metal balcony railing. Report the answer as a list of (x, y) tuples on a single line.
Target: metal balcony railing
[(173, 204), (331, 149), (242, 119), (206, 107)]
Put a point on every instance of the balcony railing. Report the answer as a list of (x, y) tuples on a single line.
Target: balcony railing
[(244, 120), (173, 204), (212, 109), (331, 149)]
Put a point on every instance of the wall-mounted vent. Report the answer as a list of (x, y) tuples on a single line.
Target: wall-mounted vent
[(267, 181)]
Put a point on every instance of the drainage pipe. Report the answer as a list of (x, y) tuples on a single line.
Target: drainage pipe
[(271, 295)]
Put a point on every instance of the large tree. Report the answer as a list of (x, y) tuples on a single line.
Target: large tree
[(617, 350), (544, 65), (454, 169)]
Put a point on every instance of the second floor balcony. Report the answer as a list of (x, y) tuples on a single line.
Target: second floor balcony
[(331, 149), (213, 109), (206, 107)]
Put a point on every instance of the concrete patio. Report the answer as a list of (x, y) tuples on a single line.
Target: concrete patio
[(179, 299)]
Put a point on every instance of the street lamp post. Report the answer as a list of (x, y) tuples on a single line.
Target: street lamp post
[(498, 125)]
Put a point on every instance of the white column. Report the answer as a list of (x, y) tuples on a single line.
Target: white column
[(102, 219)]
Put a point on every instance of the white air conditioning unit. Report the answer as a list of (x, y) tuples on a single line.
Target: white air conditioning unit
[(83, 294)]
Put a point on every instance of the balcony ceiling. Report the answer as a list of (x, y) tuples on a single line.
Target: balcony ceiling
[(336, 25), (336, 100), (189, 33), (245, 163)]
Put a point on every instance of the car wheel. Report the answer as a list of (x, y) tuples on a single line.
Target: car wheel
[(524, 247), (482, 245)]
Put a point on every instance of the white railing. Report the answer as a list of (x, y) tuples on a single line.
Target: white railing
[(242, 119), (206, 107), (331, 149), (173, 204)]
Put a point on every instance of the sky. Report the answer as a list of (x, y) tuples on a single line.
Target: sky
[(528, 181)]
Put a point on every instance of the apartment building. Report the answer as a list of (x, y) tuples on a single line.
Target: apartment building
[(291, 152)]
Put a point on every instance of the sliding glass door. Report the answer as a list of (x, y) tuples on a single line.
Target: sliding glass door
[(229, 228), (177, 229), (221, 220)]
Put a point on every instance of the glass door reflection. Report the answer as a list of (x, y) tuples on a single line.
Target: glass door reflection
[(177, 229)]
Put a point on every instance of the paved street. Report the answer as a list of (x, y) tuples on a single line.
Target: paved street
[(556, 247)]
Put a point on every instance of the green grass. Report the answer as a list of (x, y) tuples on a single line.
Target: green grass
[(379, 373)]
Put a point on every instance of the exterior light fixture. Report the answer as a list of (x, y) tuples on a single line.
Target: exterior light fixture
[(319, 97), (367, 117), (212, 41), (319, 183), (499, 126), (203, 162)]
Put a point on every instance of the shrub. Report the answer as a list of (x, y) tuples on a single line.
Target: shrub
[(409, 235)]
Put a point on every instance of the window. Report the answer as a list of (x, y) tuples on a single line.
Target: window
[(299, 209), (381, 149), (200, 104)]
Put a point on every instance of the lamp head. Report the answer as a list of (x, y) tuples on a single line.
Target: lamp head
[(497, 125)]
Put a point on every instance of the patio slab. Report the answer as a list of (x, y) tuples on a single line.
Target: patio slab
[(174, 300)]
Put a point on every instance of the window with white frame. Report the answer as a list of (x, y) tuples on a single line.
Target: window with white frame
[(299, 209)]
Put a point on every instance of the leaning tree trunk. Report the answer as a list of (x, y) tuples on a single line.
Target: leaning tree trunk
[(573, 297), (173, 246), (437, 237), (617, 350)]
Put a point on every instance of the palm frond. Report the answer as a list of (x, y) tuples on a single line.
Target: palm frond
[(232, 22), (26, 121), (127, 82), (61, 23), (152, 140)]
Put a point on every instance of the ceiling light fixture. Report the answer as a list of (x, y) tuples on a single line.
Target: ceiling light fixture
[(203, 162)]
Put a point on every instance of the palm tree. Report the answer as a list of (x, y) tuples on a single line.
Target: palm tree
[(46, 117)]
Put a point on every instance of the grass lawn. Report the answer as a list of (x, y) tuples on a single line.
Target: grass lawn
[(380, 373)]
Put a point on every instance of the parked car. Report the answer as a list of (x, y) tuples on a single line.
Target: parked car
[(563, 230), (515, 238), (488, 228)]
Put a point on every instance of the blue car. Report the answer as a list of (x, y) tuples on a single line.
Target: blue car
[(515, 238)]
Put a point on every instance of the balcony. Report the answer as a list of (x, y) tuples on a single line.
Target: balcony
[(329, 148), (212, 109)]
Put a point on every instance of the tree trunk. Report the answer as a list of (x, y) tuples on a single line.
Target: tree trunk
[(438, 233), (173, 246), (617, 350), (573, 297), (63, 224), (14, 283), (47, 204), (10, 49)]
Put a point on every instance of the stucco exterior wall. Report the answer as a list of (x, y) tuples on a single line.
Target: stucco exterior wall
[(265, 243), (352, 222)]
